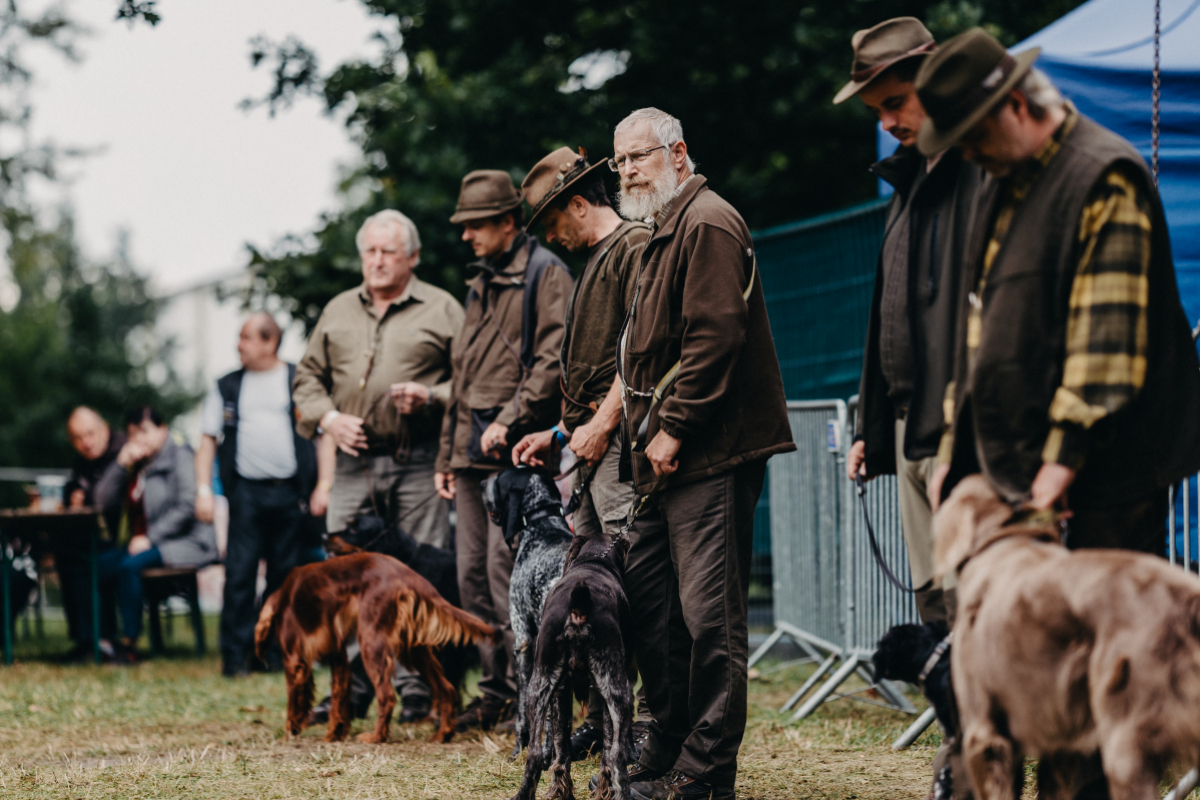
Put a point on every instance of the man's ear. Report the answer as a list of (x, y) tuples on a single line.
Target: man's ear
[(578, 207)]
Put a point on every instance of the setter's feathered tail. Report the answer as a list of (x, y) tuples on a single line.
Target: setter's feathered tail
[(435, 622)]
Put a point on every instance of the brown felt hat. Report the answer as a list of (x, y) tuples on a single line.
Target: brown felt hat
[(883, 46), (551, 177), (962, 82), (485, 193)]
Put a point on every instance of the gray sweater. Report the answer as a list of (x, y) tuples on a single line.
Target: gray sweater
[(169, 499)]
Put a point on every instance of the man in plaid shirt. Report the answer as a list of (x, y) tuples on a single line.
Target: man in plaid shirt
[(1077, 379)]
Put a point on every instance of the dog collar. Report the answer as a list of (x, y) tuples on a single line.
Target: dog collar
[(935, 657), (526, 521)]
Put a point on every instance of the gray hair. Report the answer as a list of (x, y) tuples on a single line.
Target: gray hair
[(1041, 95), (667, 130), (398, 223)]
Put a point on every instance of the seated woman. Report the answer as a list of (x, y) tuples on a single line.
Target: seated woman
[(152, 485)]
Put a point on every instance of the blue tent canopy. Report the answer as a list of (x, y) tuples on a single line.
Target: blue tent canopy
[(1101, 56)]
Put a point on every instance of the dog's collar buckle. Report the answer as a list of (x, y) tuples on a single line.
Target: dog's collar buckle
[(935, 657)]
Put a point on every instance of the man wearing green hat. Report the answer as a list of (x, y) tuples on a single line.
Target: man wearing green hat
[(1077, 381), (569, 198), (505, 383), (909, 355)]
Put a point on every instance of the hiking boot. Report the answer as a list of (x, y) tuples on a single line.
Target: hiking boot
[(415, 709), (320, 712), (484, 713), (677, 786), (636, 773), (641, 735), (585, 741)]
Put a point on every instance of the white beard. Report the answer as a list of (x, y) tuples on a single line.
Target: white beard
[(647, 201)]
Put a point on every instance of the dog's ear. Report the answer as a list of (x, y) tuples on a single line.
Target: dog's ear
[(972, 511), (339, 546)]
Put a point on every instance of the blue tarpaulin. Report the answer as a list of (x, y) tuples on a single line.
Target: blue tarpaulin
[(1101, 56)]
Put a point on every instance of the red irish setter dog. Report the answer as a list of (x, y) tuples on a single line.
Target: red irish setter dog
[(397, 616)]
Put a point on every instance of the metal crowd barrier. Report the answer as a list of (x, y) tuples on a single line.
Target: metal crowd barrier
[(826, 597)]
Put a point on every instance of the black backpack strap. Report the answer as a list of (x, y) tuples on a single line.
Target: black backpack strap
[(539, 259)]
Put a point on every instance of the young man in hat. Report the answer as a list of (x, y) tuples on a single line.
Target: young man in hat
[(704, 407), (505, 384), (568, 196), (910, 334), (1077, 382)]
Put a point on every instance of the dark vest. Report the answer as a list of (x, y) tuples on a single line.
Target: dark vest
[(230, 389), (1149, 444)]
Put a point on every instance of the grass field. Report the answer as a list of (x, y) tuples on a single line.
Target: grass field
[(173, 728)]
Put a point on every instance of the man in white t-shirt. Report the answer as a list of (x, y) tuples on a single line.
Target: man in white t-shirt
[(267, 473)]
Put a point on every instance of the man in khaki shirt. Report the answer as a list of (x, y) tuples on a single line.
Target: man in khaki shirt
[(376, 377)]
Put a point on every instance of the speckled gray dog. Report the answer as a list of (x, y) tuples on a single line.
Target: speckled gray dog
[(528, 508)]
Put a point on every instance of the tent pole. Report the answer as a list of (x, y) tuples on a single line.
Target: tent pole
[(1156, 92)]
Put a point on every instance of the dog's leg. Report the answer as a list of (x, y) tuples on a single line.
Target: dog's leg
[(608, 671), (339, 693), (1058, 776), (300, 692), (444, 693), (559, 724), (1132, 773), (538, 696), (524, 659), (380, 664), (994, 762)]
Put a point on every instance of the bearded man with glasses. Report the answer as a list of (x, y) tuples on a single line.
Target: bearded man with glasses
[(704, 409)]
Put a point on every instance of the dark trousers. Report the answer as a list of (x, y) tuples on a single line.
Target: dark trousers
[(688, 579), (117, 566), (485, 565), (75, 581), (264, 523)]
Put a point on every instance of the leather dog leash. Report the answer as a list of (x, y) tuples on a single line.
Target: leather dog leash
[(861, 488)]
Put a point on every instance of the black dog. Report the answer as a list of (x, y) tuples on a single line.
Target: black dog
[(439, 567), (906, 653), (581, 644), (526, 504)]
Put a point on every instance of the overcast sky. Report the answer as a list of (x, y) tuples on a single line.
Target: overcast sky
[(190, 175)]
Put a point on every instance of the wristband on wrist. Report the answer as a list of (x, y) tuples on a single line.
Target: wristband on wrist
[(329, 417), (559, 436), (325, 485), (203, 490)]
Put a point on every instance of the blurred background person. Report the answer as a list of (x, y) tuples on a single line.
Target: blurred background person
[(375, 381), (150, 487), (267, 472), (97, 447)]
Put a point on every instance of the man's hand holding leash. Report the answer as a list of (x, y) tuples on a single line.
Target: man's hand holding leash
[(347, 431)]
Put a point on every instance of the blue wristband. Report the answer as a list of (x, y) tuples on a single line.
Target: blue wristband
[(559, 436)]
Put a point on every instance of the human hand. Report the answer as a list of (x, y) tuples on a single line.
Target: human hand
[(318, 501), (410, 397), (494, 438), (205, 506), (1050, 486), (590, 442), (856, 460), (530, 447), (444, 483), (662, 451), (139, 544), (347, 432), (77, 498), (132, 453), (934, 489)]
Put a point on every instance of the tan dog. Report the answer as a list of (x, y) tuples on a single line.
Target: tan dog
[(1064, 655)]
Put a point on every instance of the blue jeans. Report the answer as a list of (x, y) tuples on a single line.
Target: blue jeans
[(126, 571)]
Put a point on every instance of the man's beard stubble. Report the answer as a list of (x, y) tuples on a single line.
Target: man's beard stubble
[(651, 197)]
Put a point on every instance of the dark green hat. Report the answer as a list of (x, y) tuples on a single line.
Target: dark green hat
[(962, 82)]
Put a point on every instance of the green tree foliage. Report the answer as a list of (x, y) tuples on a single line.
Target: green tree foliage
[(71, 332), (468, 84)]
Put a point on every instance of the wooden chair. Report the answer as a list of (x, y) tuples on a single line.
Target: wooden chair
[(162, 583)]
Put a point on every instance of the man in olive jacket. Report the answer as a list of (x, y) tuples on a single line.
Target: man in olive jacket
[(699, 317), (505, 383), (909, 351), (569, 197)]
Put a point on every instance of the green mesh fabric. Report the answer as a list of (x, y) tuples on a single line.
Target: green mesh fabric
[(818, 275)]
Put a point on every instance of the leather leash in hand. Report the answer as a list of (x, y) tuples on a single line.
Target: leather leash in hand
[(861, 487)]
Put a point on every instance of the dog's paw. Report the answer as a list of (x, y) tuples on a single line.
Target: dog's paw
[(371, 737)]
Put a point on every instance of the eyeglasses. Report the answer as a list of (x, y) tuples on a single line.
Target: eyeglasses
[(636, 157)]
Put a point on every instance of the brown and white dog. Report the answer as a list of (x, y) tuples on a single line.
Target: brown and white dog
[(396, 615), (1063, 655)]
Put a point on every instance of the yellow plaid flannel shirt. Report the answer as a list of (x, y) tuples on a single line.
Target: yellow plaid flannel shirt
[(1106, 341)]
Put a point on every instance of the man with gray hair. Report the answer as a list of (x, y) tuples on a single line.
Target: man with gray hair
[(704, 409), (376, 378)]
